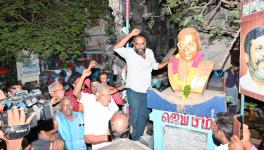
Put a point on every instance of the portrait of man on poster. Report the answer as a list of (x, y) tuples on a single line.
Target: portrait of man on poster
[(253, 80)]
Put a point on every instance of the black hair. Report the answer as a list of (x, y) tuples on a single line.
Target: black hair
[(16, 83), (234, 64), (45, 125), (253, 34), (224, 122)]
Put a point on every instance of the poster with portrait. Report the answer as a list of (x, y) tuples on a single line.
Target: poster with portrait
[(251, 81)]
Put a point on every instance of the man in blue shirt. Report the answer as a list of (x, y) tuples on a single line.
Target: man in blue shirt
[(231, 79), (71, 125)]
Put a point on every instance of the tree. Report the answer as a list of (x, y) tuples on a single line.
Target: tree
[(199, 14), (220, 19), (50, 28)]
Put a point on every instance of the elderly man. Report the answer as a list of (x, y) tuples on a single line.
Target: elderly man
[(98, 109), (253, 80), (140, 63), (56, 92), (119, 128), (71, 125)]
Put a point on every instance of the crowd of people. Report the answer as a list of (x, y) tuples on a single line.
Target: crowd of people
[(88, 116), (82, 113)]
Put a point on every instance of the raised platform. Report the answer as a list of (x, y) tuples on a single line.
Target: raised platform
[(184, 124), (206, 105)]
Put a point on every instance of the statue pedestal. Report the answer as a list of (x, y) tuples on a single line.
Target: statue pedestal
[(184, 124)]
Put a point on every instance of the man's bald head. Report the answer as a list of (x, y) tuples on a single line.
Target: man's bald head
[(192, 31), (119, 125)]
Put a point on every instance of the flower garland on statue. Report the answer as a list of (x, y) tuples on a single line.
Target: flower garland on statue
[(187, 83)]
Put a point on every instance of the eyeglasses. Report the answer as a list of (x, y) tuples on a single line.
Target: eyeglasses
[(191, 45)]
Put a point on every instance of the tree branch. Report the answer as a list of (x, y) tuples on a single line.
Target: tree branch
[(223, 30), (216, 10), (230, 48), (41, 4), (32, 17), (209, 28), (236, 21), (206, 6), (24, 19)]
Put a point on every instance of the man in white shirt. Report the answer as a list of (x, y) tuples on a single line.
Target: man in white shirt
[(253, 80), (98, 110), (140, 63)]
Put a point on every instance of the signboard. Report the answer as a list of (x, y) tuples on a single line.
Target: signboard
[(27, 72), (174, 130), (29, 69), (252, 50), (184, 139)]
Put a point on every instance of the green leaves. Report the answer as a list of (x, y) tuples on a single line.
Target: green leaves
[(201, 14), (215, 31), (169, 6), (49, 28), (234, 14), (149, 18)]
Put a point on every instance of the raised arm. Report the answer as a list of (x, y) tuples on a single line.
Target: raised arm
[(95, 139), (122, 43), (164, 63), (77, 90)]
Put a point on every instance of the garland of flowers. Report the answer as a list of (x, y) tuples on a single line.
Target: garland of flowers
[(187, 83)]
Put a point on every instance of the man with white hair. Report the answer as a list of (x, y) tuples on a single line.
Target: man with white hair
[(56, 92), (98, 109)]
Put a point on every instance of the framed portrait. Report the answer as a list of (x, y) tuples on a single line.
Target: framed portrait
[(251, 81)]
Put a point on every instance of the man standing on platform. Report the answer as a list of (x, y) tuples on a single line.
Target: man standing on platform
[(140, 63), (231, 78)]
